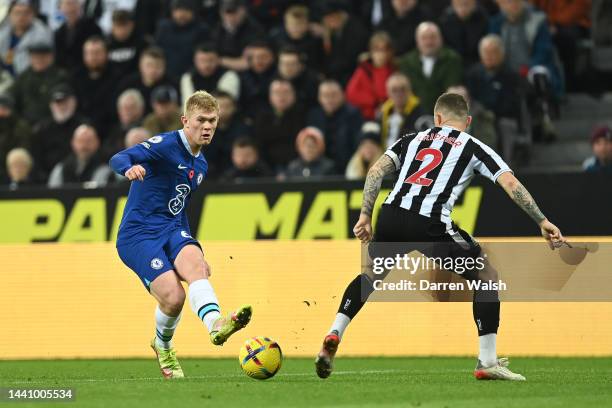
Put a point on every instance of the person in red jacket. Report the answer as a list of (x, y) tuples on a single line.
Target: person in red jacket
[(366, 89)]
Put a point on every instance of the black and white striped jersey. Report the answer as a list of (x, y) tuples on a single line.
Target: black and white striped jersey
[(435, 166)]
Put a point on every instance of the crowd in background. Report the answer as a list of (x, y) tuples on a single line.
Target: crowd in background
[(306, 88)]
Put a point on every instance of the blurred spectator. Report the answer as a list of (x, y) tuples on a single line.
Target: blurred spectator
[(400, 113), (166, 115), (374, 12), (94, 84), (231, 126), (51, 139), (124, 43), (275, 129), (135, 136), (19, 168), (295, 32), (71, 35), (208, 74), (569, 22), (602, 13), (482, 126), (151, 74), (344, 38), (601, 143), (235, 32), (255, 81), (102, 10), (527, 41), (146, 13), (130, 110), (463, 24), (14, 131), (18, 33), (6, 81), (292, 68), (402, 23), (368, 152), (31, 88), (492, 83), (84, 164), (367, 88), (431, 67), (311, 161), (246, 163), (179, 35), (339, 122)]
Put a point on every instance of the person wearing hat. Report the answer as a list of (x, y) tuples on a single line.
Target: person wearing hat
[(234, 33), (367, 153), (179, 35), (71, 35), (31, 88), (51, 138), (166, 115), (310, 145), (344, 38), (17, 34), (14, 131), (601, 143), (125, 43)]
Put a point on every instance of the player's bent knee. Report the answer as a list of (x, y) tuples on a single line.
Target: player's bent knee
[(173, 299)]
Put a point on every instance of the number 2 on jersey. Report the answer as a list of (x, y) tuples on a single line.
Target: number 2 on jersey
[(419, 176)]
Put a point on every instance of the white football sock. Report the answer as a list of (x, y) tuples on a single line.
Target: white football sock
[(204, 302), (164, 328), (340, 324), (488, 349)]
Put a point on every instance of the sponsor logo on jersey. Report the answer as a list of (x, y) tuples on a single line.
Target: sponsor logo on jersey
[(157, 263), (177, 203), (184, 234), (145, 144), (181, 167), (200, 178), (156, 139)]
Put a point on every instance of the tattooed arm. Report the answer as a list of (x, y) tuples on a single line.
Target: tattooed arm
[(519, 194), (376, 174)]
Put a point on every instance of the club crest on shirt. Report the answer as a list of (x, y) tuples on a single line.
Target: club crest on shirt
[(177, 203), (157, 263), (200, 178), (156, 139)]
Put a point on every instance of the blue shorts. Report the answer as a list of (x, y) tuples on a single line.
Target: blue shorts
[(149, 258)]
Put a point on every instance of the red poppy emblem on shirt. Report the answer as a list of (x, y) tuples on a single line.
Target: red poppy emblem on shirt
[(191, 173)]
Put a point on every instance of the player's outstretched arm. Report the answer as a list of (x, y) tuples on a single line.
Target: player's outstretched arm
[(376, 174), (519, 194)]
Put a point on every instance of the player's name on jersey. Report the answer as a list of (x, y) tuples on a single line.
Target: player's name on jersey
[(424, 284), (445, 138)]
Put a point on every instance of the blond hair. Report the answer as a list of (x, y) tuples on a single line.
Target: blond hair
[(200, 100)]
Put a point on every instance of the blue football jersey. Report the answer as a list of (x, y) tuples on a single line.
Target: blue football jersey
[(158, 204)]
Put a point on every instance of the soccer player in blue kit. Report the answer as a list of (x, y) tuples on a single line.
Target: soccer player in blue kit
[(154, 238)]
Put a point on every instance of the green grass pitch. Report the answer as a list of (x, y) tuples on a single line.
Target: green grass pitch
[(357, 382)]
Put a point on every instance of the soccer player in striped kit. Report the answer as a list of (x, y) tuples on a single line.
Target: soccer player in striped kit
[(435, 166), (154, 238)]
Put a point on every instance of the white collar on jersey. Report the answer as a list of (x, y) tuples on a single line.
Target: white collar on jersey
[(186, 143)]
